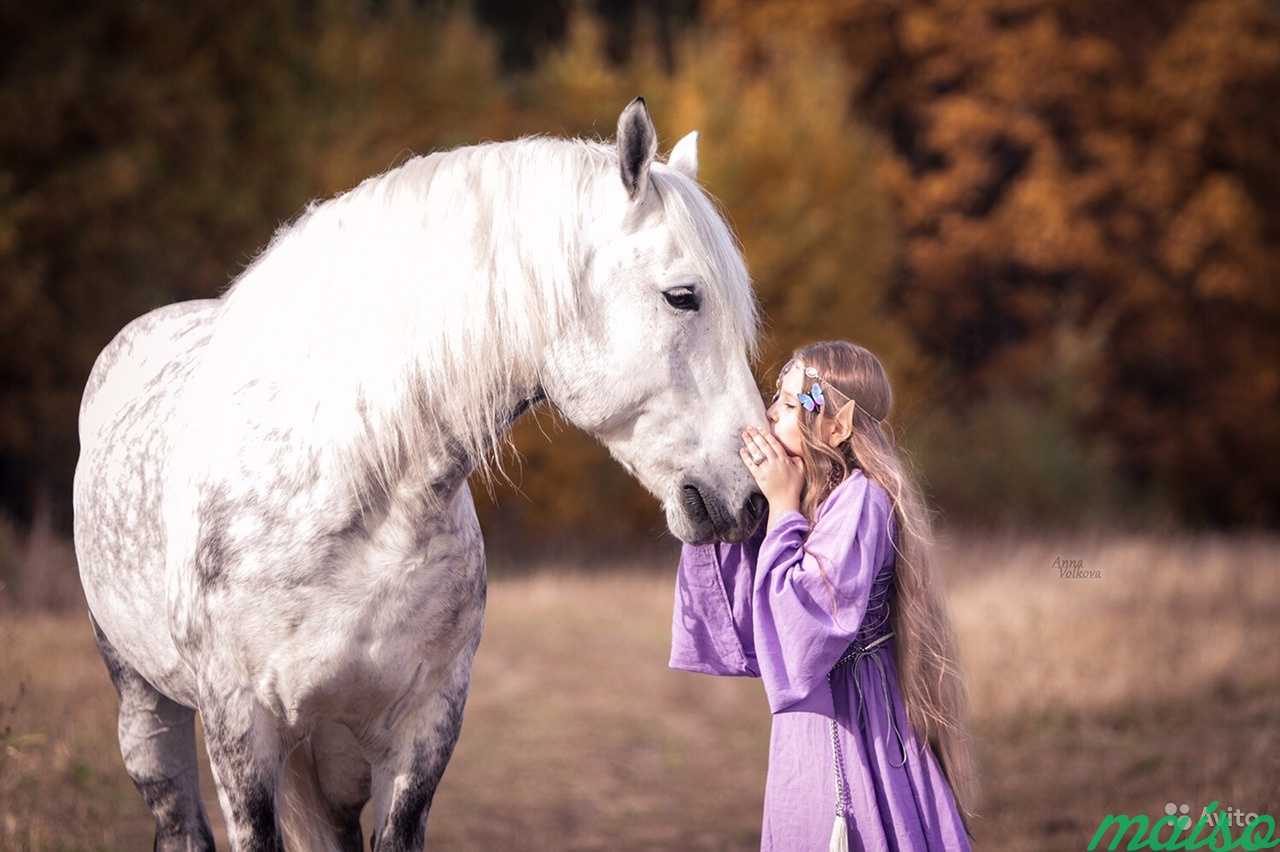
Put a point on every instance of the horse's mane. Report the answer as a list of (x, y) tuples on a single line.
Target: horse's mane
[(411, 307)]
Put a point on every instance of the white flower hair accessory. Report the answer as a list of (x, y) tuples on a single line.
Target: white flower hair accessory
[(813, 400)]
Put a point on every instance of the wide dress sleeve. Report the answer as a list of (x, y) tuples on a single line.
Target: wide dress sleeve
[(763, 609)]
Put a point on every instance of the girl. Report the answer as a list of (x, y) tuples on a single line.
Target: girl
[(828, 603)]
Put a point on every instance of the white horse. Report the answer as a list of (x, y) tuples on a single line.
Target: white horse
[(272, 517)]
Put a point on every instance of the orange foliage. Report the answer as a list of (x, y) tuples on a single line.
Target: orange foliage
[(1095, 168)]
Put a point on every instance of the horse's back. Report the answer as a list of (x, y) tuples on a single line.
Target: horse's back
[(126, 418), (137, 357)]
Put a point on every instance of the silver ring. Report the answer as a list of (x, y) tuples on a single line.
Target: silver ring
[(758, 459)]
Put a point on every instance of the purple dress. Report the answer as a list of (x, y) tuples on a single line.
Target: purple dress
[(762, 609)]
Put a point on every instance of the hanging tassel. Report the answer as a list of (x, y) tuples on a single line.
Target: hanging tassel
[(840, 830), (839, 835)]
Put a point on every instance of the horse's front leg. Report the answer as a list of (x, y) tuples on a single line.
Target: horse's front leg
[(246, 754), (405, 782)]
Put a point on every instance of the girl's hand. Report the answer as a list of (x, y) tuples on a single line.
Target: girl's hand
[(780, 476)]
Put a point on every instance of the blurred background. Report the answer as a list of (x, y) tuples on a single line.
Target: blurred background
[(1056, 222)]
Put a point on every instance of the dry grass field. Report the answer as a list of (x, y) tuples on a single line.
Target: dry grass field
[(1157, 681)]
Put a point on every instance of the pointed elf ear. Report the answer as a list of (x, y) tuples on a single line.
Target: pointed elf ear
[(843, 426)]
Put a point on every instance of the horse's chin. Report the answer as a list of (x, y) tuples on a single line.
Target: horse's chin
[(735, 535), (687, 529), (700, 531)]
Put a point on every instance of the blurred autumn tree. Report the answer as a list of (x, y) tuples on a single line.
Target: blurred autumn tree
[(1054, 221), (1088, 198), (139, 158)]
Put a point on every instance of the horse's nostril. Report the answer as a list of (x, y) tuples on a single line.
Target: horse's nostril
[(756, 507), (694, 504)]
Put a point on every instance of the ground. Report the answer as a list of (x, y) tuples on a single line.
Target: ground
[(1154, 682)]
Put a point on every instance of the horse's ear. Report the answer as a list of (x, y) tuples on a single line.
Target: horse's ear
[(637, 146), (684, 157)]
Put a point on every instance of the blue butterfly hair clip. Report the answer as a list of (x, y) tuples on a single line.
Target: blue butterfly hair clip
[(813, 400)]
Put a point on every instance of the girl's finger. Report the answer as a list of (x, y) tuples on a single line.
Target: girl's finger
[(762, 446)]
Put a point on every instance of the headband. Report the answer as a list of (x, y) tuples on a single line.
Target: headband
[(814, 399)]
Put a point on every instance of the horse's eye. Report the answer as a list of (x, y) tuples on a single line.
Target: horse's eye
[(682, 298)]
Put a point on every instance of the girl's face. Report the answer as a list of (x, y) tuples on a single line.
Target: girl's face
[(784, 411)]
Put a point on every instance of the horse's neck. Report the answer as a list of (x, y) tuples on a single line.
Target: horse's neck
[(313, 358), (452, 465)]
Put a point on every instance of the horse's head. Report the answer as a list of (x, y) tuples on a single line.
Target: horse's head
[(657, 365)]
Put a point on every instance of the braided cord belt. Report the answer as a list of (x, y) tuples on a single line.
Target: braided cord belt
[(858, 652)]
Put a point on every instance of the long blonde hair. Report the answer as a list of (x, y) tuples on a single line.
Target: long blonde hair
[(932, 687)]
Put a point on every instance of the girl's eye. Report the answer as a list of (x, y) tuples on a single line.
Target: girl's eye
[(682, 298)]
